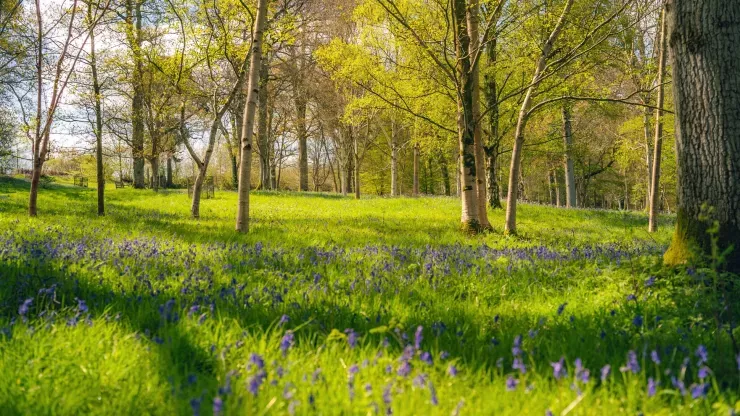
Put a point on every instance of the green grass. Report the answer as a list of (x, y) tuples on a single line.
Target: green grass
[(174, 308)]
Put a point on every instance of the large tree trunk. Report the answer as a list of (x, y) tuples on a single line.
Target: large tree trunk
[(262, 127), (169, 172), (658, 146), (245, 166), (516, 154), (648, 151), (480, 155), (705, 44), (98, 118), (469, 218), (491, 94), (570, 175)]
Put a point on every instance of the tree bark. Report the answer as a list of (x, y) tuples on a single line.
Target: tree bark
[(394, 157), (443, 166), (470, 220), (262, 127), (98, 116), (516, 154), (705, 44), (492, 150), (245, 166), (570, 175), (134, 35), (658, 146), (480, 155), (416, 171)]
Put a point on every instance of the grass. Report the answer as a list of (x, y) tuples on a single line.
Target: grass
[(145, 311)]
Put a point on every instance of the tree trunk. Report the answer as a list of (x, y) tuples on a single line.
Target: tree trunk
[(416, 171), (394, 158), (480, 156), (658, 146), (137, 102), (245, 166), (648, 152), (469, 218), (356, 153), (262, 127), (570, 175), (443, 166), (516, 154), (300, 106), (169, 172), (98, 118), (705, 44), (491, 94)]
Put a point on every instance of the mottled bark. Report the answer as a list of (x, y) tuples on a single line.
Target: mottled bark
[(245, 165), (494, 143), (394, 157), (704, 40), (658, 145), (134, 37), (570, 175), (470, 219), (480, 155)]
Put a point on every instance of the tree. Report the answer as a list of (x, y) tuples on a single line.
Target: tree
[(705, 45), (658, 146), (245, 166)]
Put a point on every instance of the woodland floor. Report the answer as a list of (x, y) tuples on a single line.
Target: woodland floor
[(337, 306)]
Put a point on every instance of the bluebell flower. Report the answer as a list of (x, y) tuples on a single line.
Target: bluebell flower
[(558, 369), (678, 384), (404, 369), (630, 297), (452, 370), (287, 342), (516, 349), (511, 383), (81, 306), (605, 371), (195, 405), (518, 364), (387, 394), (418, 337), (655, 357), (218, 406), (444, 355), (351, 337), (650, 281), (704, 372), (637, 321), (632, 364), (433, 394), (548, 412), (257, 360), (256, 381), (426, 358), (420, 380), (561, 308), (702, 354), (583, 374), (23, 309), (699, 390), (283, 320)]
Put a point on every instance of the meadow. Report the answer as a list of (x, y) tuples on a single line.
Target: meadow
[(336, 306)]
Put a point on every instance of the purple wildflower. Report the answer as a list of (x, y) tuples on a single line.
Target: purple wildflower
[(433, 394), (283, 320), (256, 381), (351, 337), (511, 383), (426, 358), (418, 337), (678, 384), (699, 390), (518, 364), (81, 306), (257, 360), (652, 387), (452, 370), (23, 309), (287, 342), (637, 321), (704, 372), (218, 406), (404, 369), (702, 354), (516, 349), (650, 281), (655, 357), (195, 405), (444, 355), (632, 364), (582, 374), (558, 369), (605, 371)]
